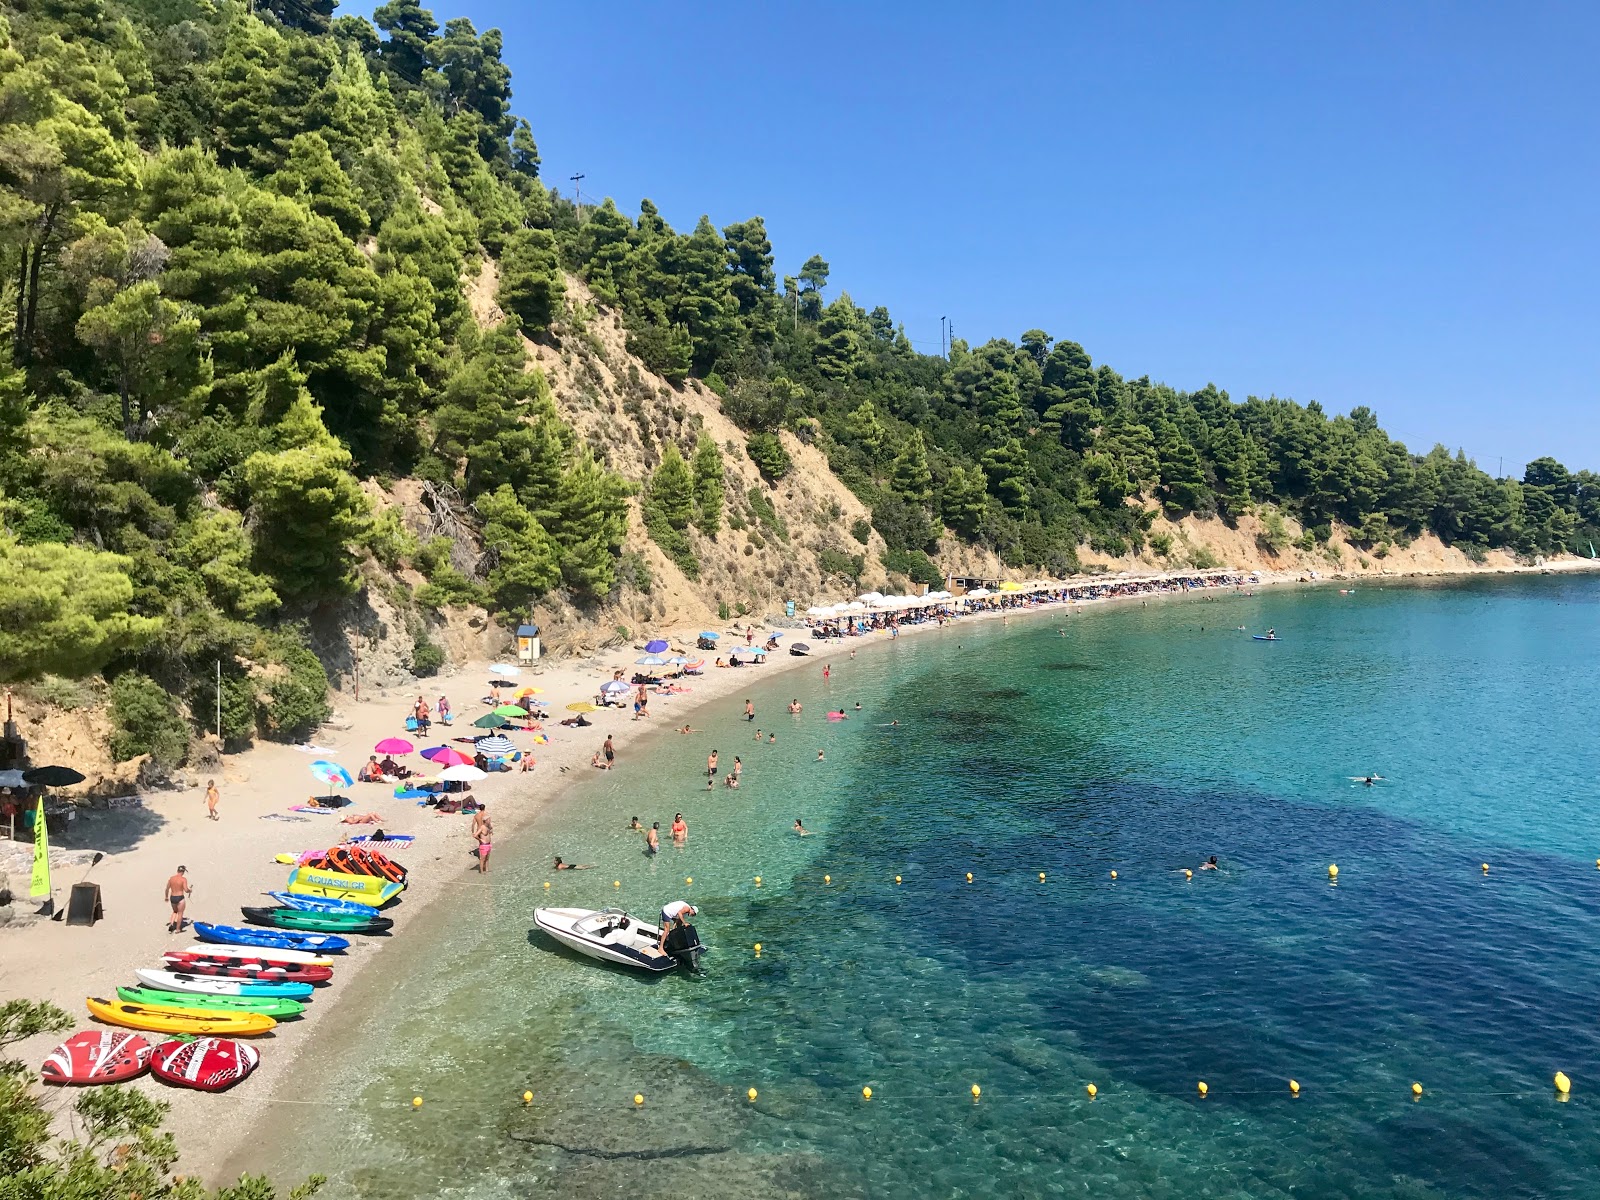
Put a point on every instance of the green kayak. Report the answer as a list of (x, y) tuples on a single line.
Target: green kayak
[(266, 1006), (316, 922)]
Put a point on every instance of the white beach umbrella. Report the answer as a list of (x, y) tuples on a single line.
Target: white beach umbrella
[(462, 773)]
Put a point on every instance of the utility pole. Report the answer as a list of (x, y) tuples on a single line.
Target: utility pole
[(1502, 473), (577, 195), (219, 704), (942, 353)]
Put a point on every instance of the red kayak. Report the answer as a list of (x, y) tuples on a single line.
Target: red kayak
[(266, 969), (97, 1056), (208, 1064)]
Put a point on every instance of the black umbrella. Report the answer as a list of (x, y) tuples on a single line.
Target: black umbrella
[(799, 646), (53, 776)]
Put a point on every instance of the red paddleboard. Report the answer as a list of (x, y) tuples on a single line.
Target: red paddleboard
[(208, 1064), (97, 1056), (198, 962), (288, 973)]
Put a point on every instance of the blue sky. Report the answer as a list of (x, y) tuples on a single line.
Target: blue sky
[(1389, 205)]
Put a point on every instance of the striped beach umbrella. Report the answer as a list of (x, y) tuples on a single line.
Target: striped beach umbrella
[(445, 756), (497, 744)]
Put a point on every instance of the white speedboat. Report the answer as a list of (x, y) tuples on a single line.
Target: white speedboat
[(611, 935)]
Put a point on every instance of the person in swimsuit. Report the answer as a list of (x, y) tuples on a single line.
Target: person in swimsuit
[(1210, 864), (819, 755), (801, 829), (566, 866), (443, 708), (635, 827), (686, 729), (772, 740), (827, 670), (732, 781), (794, 706), (758, 735), (652, 839), (610, 751), (738, 765), (680, 829), (671, 914), (749, 710), (858, 706), (711, 763), (178, 892), (212, 796), (483, 830)]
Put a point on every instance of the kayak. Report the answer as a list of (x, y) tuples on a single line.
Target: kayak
[(233, 935), (260, 955), (182, 981), (1261, 637), (198, 962), (179, 1020), (323, 904), (318, 922), (267, 1006), (208, 1064), (293, 973)]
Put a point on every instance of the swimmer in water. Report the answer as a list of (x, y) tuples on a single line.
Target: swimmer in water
[(566, 866), (1365, 780), (801, 829), (1210, 864), (634, 826)]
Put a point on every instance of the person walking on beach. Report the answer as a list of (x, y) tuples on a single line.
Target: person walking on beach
[(483, 830), (212, 796), (652, 840), (177, 894), (610, 752), (711, 764), (443, 708), (749, 710)]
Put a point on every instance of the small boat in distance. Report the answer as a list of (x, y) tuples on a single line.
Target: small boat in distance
[(611, 935)]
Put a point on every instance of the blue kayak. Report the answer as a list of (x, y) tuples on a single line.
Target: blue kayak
[(323, 904), (1261, 637), (277, 939)]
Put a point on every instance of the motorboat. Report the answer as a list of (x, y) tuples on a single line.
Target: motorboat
[(611, 935)]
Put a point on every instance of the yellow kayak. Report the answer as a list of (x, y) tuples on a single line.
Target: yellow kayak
[(179, 1020)]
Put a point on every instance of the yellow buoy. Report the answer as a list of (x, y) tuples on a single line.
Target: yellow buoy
[(758, 881), (866, 1093), (1113, 874), (1597, 864), (976, 1091), (547, 885), (1188, 874), (688, 881), (1041, 876), (527, 1097), (1333, 870), (416, 1102), (1563, 1084), (1092, 1090), (1416, 1089), (638, 1099), (897, 878), (969, 876), (827, 879), (752, 1094), (616, 883), (1203, 1088), (758, 949), (1294, 1087), (1485, 868)]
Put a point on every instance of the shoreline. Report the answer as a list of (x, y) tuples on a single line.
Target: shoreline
[(214, 1132)]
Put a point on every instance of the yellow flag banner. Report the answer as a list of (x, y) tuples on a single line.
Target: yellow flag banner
[(41, 855)]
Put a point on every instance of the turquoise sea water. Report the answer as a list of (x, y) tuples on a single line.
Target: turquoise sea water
[(1141, 741)]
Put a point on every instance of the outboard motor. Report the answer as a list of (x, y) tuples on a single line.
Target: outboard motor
[(685, 947)]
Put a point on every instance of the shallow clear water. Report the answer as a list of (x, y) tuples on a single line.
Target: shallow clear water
[(1142, 740)]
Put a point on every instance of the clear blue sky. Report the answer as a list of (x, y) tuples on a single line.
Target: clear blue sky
[(1356, 203)]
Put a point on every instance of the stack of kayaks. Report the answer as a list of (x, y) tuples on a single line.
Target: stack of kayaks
[(317, 922)]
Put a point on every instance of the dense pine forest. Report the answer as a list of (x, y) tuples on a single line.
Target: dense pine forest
[(234, 242)]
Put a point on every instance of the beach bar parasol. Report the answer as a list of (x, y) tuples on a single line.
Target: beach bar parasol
[(393, 745), (650, 660)]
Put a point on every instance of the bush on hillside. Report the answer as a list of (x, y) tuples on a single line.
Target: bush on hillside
[(769, 456), (146, 721), (294, 698), (915, 566)]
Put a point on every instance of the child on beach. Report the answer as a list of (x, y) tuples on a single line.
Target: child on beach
[(212, 796)]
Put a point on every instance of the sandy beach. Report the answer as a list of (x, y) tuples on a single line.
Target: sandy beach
[(231, 861)]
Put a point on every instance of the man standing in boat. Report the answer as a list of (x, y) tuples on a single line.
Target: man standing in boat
[(671, 913)]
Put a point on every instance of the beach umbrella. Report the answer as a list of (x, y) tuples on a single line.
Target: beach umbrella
[(490, 721), (505, 669), (800, 646), (677, 660), (12, 779), (582, 706), (52, 776), (774, 635), (498, 744), (709, 636), (331, 773), (511, 710), (529, 691), (463, 773), (650, 660), (445, 756), (655, 646), (394, 746), (695, 665), (613, 687)]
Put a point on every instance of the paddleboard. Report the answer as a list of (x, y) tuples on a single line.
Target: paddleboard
[(97, 1056), (258, 954), (178, 1020), (267, 1006), (179, 981), (208, 1064)]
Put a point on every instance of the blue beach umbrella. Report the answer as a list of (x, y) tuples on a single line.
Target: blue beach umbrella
[(650, 660), (710, 637), (655, 646), (331, 773), (505, 669), (613, 686)]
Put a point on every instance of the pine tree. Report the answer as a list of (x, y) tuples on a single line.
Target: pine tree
[(963, 498), (310, 175), (709, 488), (910, 478), (521, 558), (591, 525), (838, 350), (411, 29), (530, 279), (671, 494)]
